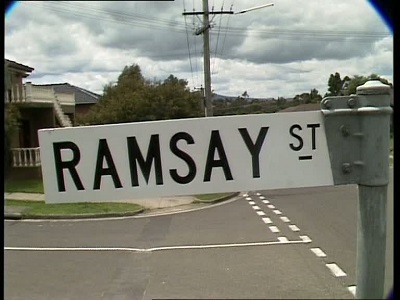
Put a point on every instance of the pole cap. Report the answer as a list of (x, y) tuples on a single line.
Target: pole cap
[(374, 86)]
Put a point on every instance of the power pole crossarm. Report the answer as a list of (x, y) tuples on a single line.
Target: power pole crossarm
[(254, 8), (224, 12)]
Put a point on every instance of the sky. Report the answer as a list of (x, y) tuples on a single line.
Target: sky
[(282, 50)]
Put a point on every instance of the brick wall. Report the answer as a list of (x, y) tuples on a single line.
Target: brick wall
[(82, 109)]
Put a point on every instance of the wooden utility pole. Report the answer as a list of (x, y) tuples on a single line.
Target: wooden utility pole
[(206, 50), (205, 30)]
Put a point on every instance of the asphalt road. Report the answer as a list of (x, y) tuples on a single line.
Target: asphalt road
[(329, 217), (232, 250)]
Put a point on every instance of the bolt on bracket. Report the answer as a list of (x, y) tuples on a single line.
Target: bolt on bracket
[(357, 131)]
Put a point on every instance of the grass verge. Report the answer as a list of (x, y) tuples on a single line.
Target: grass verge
[(24, 186), (40, 208), (213, 197), (32, 209)]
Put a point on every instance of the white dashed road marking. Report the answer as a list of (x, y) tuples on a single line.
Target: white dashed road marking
[(294, 228), (352, 289), (305, 238), (336, 271), (285, 219), (267, 220), (334, 268), (274, 229), (318, 252), (248, 198)]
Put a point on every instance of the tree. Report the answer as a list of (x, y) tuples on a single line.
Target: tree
[(133, 98), (296, 100), (245, 95), (11, 124), (347, 85), (11, 121), (281, 103), (335, 84), (315, 97), (358, 80), (172, 99), (305, 98)]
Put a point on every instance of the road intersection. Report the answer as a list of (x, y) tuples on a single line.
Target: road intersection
[(297, 243)]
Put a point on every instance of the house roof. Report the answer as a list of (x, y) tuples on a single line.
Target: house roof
[(17, 66), (82, 96)]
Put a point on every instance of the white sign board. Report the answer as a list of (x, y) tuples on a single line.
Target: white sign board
[(184, 157)]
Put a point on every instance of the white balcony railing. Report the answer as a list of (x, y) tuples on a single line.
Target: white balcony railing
[(66, 99), (26, 157), (16, 94), (37, 94)]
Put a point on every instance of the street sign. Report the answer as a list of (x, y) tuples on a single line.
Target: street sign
[(184, 157)]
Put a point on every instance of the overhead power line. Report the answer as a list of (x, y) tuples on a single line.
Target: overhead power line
[(150, 22), (188, 46), (109, 16)]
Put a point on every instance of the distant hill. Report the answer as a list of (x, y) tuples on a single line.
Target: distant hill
[(303, 107), (217, 97)]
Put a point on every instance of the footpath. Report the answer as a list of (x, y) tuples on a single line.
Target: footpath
[(151, 207)]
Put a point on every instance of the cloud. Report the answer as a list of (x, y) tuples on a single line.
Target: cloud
[(283, 50)]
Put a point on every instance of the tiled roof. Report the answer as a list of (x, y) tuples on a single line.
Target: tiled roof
[(82, 96)]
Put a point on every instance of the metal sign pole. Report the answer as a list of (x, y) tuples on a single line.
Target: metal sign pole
[(374, 178), (371, 242), (358, 133)]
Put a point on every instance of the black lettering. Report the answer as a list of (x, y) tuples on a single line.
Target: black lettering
[(70, 165), (296, 148), (313, 126), (254, 149), (103, 152), (216, 144), (153, 154), (184, 156)]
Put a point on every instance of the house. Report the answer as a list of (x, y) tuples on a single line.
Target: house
[(40, 106), (84, 99)]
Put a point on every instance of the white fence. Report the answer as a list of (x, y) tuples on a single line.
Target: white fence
[(26, 157), (37, 94)]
